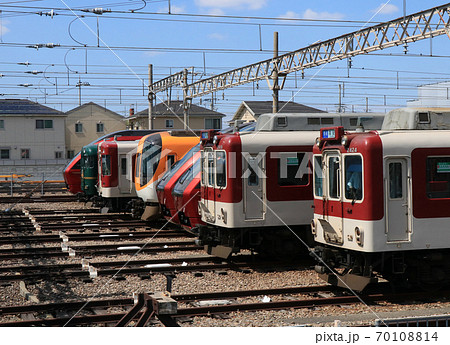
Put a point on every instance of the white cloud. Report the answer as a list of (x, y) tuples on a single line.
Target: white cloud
[(153, 53), (3, 28), (250, 4), (173, 9), (217, 36), (290, 15), (310, 14), (385, 9), (216, 12)]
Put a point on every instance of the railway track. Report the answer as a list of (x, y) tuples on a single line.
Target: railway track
[(37, 199), (98, 250), (90, 314), (145, 267)]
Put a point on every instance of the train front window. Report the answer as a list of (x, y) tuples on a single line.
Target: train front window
[(210, 162), (353, 177), (149, 163), (438, 177), (334, 177), (221, 169), (318, 176), (106, 165)]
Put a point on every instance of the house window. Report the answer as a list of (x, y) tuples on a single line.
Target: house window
[(100, 127), (2, 124), (25, 153), (44, 124), (213, 124), (169, 123), (78, 128), (4, 153), (70, 154), (58, 154)]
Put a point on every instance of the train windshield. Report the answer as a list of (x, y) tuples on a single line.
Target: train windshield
[(353, 177), (106, 165), (170, 173), (187, 177), (318, 176), (149, 158)]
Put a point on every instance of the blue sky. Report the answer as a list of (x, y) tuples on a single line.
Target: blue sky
[(207, 37)]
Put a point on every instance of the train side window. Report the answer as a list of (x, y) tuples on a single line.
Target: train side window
[(334, 177), (438, 177), (318, 176), (395, 181), (221, 169), (353, 177), (291, 174), (123, 166), (253, 179)]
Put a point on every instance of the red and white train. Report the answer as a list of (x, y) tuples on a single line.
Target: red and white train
[(253, 184), (116, 167), (382, 201)]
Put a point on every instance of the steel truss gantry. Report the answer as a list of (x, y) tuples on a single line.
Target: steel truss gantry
[(411, 28)]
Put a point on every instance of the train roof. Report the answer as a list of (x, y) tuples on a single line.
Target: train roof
[(417, 118), (315, 121)]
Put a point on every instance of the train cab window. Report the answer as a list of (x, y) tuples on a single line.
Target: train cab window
[(150, 160), (123, 166), (395, 181), (353, 177), (289, 172), (91, 162), (221, 169), (210, 163), (334, 177), (318, 176), (438, 177), (106, 165)]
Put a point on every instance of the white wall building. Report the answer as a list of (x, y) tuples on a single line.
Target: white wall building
[(432, 95), (32, 138)]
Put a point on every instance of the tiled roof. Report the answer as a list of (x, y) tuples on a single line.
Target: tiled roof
[(176, 107), (25, 107), (262, 107)]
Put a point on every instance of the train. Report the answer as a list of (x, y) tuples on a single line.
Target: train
[(382, 202), (156, 154), (116, 166), (253, 184), (167, 182), (181, 174), (72, 171)]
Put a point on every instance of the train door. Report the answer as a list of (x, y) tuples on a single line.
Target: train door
[(124, 184), (208, 182), (333, 197), (253, 187), (397, 200)]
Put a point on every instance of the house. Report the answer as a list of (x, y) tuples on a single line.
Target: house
[(250, 110), (170, 116), (31, 137), (87, 123)]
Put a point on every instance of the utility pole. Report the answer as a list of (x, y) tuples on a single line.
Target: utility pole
[(185, 99), (275, 86), (150, 96)]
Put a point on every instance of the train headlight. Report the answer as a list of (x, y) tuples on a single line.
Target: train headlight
[(215, 140), (359, 236), (345, 141), (317, 141), (313, 227)]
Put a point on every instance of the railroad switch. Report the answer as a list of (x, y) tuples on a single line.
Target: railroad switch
[(158, 304)]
